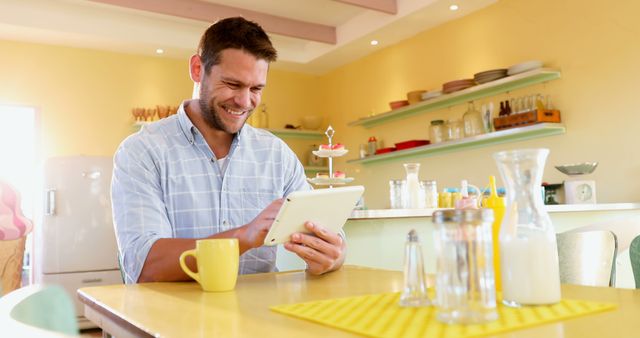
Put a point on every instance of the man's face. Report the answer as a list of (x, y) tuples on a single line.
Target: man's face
[(232, 90)]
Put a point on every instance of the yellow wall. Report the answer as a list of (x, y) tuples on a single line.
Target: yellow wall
[(85, 96), (595, 46)]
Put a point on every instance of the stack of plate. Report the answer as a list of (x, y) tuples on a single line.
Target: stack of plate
[(431, 94), (489, 75), (454, 86), (524, 67)]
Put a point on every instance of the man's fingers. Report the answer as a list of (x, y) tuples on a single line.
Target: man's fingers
[(332, 251), (314, 259), (323, 233)]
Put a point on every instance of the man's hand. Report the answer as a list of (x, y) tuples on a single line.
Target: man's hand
[(252, 235), (323, 251)]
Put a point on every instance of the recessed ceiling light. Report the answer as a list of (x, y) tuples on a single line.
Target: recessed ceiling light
[(454, 7), (159, 51), (374, 42)]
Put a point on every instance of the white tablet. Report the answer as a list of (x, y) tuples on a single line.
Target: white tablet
[(327, 207)]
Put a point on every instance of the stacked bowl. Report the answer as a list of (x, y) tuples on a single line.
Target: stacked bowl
[(489, 75), (454, 86)]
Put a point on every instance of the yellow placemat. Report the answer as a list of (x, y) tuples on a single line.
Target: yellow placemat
[(380, 316)]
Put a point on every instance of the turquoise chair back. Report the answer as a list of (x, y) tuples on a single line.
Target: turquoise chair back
[(634, 255), (44, 309)]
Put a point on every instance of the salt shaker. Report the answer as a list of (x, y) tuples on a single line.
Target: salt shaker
[(414, 293)]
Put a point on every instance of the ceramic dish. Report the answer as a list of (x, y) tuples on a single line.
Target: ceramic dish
[(415, 96), (431, 95), (385, 150), (524, 67), (578, 168), (490, 72), (398, 104), (330, 181), (411, 144), (330, 153), (489, 78), (456, 88)]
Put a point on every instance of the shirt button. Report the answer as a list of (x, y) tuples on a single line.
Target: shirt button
[(213, 160), (224, 222), (191, 141)]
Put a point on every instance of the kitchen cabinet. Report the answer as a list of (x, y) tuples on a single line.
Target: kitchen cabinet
[(492, 88)]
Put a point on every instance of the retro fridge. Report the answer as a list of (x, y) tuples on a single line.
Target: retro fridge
[(74, 243)]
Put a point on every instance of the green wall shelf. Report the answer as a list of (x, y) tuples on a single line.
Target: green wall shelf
[(496, 87), (497, 137), (296, 133)]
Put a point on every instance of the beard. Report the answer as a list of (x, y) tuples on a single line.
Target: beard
[(211, 115)]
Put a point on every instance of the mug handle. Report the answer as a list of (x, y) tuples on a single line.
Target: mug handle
[(184, 266)]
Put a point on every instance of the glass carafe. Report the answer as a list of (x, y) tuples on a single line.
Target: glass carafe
[(528, 251), (473, 122), (412, 192)]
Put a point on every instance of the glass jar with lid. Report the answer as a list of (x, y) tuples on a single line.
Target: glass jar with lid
[(453, 130), (436, 131)]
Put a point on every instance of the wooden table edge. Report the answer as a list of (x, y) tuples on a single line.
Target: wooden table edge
[(108, 321)]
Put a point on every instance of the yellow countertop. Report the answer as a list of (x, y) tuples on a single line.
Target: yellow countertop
[(183, 310)]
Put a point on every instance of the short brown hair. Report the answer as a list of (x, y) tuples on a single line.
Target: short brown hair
[(237, 33)]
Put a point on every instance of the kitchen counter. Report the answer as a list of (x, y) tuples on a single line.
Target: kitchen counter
[(403, 213), (376, 238)]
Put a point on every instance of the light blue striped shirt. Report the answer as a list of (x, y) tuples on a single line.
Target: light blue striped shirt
[(167, 184)]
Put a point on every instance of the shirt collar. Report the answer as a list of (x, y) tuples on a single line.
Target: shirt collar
[(187, 127)]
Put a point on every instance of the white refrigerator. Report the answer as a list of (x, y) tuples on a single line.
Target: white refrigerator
[(74, 243)]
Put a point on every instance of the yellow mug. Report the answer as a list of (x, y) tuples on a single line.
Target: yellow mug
[(217, 261)]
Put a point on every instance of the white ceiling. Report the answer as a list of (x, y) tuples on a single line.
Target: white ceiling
[(122, 28)]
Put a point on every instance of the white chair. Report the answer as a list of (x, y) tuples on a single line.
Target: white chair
[(587, 258), (38, 311)]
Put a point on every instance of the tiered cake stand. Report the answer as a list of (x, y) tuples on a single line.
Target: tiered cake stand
[(330, 181)]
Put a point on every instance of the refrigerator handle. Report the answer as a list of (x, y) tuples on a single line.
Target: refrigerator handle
[(50, 202)]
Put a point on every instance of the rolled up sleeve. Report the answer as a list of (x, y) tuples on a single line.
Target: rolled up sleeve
[(139, 213)]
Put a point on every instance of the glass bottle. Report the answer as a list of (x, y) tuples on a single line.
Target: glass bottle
[(415, 284), (528, 252), (473, 122), (412, 187)]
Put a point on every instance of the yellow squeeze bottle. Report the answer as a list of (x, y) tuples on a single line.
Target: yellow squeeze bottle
[(497, 204)]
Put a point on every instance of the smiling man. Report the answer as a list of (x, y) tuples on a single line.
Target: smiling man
[(204, 173)]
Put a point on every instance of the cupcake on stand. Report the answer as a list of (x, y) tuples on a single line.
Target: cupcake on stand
[(330, 151)]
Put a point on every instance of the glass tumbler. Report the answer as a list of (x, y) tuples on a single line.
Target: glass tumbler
[(396, 194), (465, 290)]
